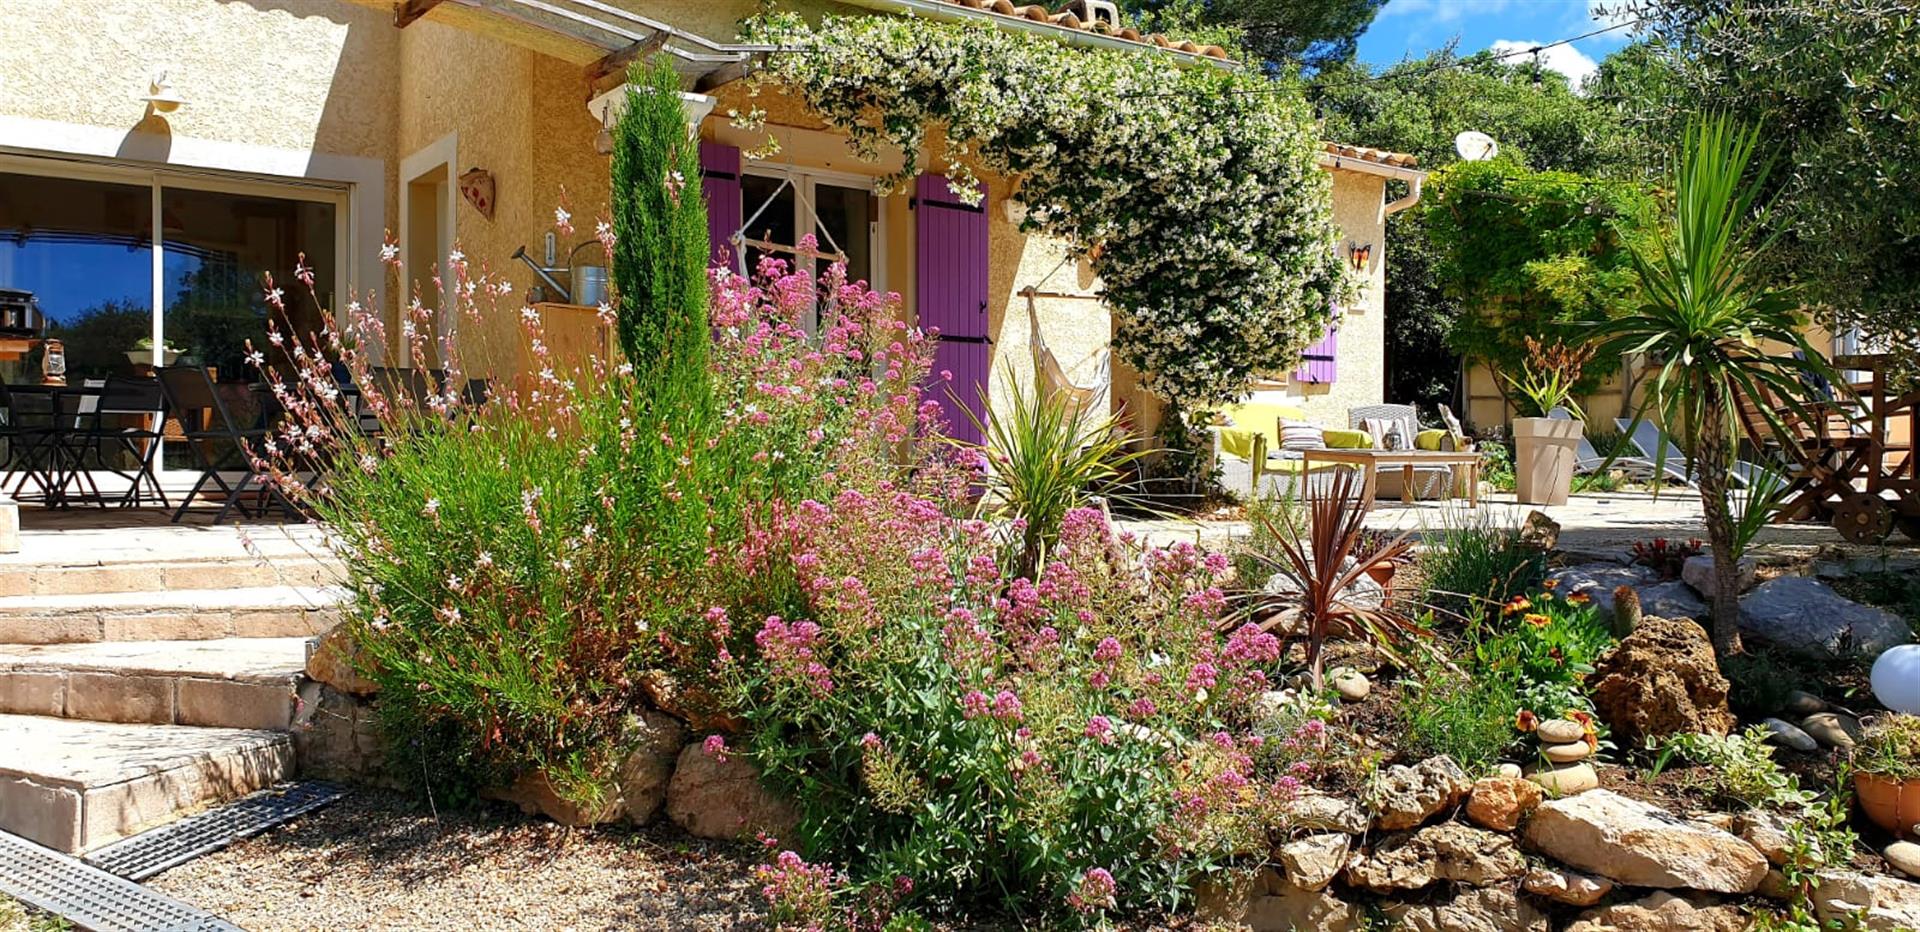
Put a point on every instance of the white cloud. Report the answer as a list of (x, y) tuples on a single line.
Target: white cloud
[(1565, 59)]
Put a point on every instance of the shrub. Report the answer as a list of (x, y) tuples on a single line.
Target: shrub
[(1469, 718), (1664, 556), (1739, 768), (1548, 642), (1473, 565), (1496, 464), (1890, 747)]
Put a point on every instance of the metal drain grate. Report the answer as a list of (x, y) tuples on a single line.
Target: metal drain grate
[(153, 851), (92, 898)]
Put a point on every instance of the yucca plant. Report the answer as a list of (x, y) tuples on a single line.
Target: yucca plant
[(1322, 561), (1721, 330), (1045, 457)]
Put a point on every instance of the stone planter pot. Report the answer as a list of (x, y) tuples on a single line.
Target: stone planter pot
[(1892, 804), (1544, 454)]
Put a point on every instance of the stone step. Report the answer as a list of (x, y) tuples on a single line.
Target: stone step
[(149, 575), (227, 683), (172, 615), (74, 786)]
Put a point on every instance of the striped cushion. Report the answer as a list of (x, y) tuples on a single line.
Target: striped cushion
[(1301, 435)]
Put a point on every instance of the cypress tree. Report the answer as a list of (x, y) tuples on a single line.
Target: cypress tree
[(660, 254)]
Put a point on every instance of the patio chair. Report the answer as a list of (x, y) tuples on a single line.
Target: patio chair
[(1587, 460), (27, 425), (209, 430), (1649, 439), (122, 400)]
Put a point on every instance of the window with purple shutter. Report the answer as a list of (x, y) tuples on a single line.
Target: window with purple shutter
[(951, 295), (720, 183), (1319, 363)]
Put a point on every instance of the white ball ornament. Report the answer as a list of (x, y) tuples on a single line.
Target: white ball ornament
[(1896, 679)]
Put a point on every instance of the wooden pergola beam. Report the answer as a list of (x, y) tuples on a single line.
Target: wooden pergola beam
[(725, 74), (617, 61), (406, 11)]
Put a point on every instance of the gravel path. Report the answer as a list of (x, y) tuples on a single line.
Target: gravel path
[(376, 860)]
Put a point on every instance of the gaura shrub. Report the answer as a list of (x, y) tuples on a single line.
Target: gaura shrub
[(518, 555), (1068, 744)]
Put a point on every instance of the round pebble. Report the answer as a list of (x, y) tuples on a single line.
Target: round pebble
[(1789, 735), (1832, 729), (1510, 771), (1904, 856), (1560, 731), (1351, 684), (1803, 703), (1566, 779), (1566, 753)]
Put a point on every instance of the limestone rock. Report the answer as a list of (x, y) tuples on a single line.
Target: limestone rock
[(1449, 851), (689, 703), (534, 793), (1663, 912), (1801, 703), (714, 796), (1698, 573), (1672, 600), (1789, 735), (1766, 832), (1570, 887), (1472, 909), (1642, 845), (1312, 862), (1314, 811), (655, 739), (1540, 532), (1904, 856), (1661, 680), (1403, 797), (1872, 903), (1805, 614), (1500, 803), (1598, 580), (1832, 729), (337, 660), (1565, 779), (1287, 908), (337, 737)]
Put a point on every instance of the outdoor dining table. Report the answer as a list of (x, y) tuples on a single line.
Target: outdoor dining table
[(52, 464), (1371, 461)]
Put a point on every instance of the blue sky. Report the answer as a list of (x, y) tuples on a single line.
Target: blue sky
[(1411, 28)]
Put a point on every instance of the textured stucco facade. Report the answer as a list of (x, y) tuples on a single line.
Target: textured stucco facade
[(329, 92)]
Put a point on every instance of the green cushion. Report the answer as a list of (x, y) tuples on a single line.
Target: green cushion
[(1348, 439), (1429, 439)]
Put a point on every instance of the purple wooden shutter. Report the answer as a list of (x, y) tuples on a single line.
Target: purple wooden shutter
[(720, 183), (952, 296), (1319, 363)]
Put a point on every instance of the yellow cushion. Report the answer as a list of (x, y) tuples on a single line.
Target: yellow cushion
[(1429, 439), (1255, 418), (1348, 440)]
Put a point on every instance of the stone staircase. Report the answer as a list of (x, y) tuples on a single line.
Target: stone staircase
[(139, 684)]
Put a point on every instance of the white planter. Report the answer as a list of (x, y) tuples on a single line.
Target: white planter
[(145, 357), (1544, 453)]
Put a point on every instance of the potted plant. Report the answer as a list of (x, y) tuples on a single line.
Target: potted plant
[(1886, 773), (142, 353), (1546, 447)]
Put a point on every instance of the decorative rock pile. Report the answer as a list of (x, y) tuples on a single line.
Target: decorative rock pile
[(1821, 724), (1433, 850)]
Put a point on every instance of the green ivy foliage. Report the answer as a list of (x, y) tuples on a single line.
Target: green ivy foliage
[(1200, 184), (1533, 254)]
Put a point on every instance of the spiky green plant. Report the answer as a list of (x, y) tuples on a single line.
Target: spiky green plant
[(1716, 325), (660, 227)]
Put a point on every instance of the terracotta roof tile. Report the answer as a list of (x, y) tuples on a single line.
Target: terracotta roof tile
[(1380, 156), (1075, 16)]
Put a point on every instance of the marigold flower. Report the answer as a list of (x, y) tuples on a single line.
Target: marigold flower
[(1517, 604), (1537, 620)]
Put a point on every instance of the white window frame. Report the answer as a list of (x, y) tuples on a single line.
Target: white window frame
[(806, 219)]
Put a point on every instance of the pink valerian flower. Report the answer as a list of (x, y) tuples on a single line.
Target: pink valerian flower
[(1094, 893), (1100, 728), (1108, 650), (975, 704), (790, 651), (1006, 706), (1210, 602), (1249, 646), (799, 894), (716, 747), (1202, 677), (870, 741), (1142, 708)]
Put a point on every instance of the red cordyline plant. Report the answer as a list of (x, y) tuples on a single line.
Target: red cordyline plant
[(1321, 565)]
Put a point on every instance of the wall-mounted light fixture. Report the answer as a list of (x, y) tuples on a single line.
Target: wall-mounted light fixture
[(1359, 255), (160, 94)]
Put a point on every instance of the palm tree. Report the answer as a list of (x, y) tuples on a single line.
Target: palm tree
[(1716, 327)]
